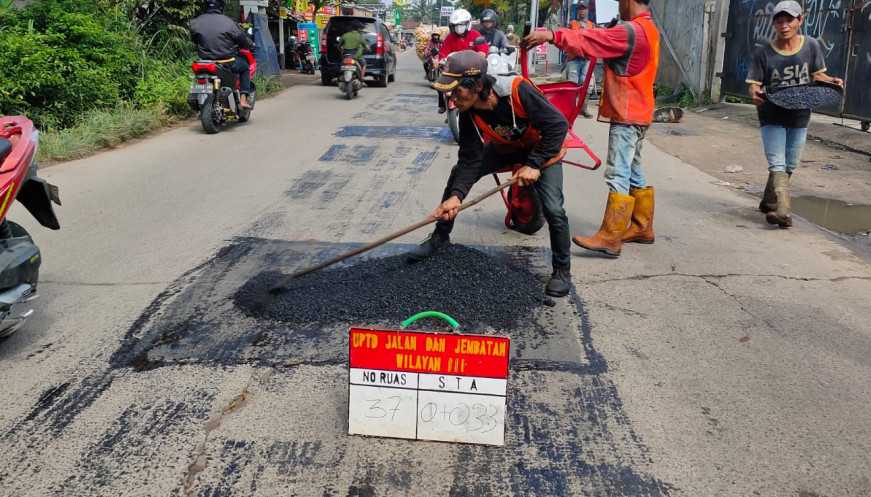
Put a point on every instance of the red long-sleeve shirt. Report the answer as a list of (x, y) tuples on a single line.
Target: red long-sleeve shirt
[(627, 52), (454, 43)]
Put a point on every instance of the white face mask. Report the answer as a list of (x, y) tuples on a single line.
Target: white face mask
[(460, 29)]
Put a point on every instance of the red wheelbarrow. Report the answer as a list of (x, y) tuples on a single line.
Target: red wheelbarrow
[(524, 209)]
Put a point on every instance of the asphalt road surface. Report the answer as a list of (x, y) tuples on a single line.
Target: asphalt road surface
[(727, 359)]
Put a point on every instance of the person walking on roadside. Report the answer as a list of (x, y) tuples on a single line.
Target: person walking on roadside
[(630, 50), (504, 121), (578, 66), (789, 60), (217, 37)]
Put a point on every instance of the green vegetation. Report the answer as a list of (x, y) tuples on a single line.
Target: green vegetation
[(99, 129), (683, 98), (94, 74)]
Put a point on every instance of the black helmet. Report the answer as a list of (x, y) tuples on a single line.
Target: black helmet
[(435, 35), (217, 5), (489, 15)]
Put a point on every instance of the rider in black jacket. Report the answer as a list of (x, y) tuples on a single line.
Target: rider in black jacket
[(219, 38)]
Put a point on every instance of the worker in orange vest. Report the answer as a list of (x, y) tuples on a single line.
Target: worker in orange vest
[(577, 67), (630, 50)]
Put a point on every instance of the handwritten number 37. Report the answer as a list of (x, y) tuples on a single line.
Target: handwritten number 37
[(375, 410)]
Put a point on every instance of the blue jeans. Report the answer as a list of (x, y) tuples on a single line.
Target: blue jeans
[(241, 68), (623, 167), (577, 70), (783, 147)]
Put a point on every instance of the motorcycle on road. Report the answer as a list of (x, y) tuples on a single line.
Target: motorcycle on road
[(19, 256), (306, 58), (431, 65), (350, 79), (215, 93)]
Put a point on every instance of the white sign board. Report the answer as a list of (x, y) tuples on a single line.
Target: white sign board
[(428, 386), (447, 10)]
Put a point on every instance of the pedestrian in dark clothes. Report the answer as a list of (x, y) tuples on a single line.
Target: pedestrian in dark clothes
[(790, 60)]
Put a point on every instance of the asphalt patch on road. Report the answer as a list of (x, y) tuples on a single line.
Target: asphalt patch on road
[(478, 288), (222, 314)]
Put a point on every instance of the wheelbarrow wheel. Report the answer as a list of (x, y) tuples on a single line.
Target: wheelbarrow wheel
[(525, 213)]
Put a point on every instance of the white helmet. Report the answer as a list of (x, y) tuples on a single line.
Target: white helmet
[(460, 22)]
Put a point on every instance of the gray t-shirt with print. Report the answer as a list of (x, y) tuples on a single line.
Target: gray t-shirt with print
[(776, 70)]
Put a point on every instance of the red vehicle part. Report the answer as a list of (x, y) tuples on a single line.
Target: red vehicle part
[(20, 132), (252, 62), (524, 209), (200, 67)]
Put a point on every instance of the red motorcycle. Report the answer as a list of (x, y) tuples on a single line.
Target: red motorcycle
[(215, 92), (19, 256)]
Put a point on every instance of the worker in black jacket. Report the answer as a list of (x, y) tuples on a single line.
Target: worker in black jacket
[(219, 38), (504, 121)]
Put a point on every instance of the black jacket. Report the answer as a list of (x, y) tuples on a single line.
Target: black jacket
[(542, 115), (217, 36)]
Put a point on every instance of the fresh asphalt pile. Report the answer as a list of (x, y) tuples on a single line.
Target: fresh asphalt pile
[(805, 97), (475, 288)]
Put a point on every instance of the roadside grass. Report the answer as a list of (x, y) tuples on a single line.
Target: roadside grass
[(101, 129)]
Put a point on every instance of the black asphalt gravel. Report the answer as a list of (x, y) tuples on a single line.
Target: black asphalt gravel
[(805, 97), (474, 287)]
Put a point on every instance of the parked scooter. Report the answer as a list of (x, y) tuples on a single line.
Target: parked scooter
[(19, 256), (350, 78), (215, 92), (306, 58)]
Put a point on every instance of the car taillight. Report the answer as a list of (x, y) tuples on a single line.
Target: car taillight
[(201, 81), (324, 44), (379, 45)]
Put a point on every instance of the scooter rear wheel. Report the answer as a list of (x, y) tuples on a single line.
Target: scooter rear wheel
[(207, 116), (454, 123)]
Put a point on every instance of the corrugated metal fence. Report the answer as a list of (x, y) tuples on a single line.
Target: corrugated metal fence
[(843, 27)]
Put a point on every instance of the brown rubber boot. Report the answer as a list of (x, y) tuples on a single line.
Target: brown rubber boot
[(609, 238), (781, 215), (641, 228), (769, 199)]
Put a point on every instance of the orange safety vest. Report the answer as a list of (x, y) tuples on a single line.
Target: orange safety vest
[(530, 137), (630, 99), (588, 24)]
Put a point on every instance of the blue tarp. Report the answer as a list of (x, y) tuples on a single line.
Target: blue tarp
[(266, 54)]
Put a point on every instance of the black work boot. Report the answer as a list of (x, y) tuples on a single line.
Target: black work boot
[(560, 282), (429, 247)]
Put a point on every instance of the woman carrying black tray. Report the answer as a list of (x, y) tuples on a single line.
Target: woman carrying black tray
[(790, 60)]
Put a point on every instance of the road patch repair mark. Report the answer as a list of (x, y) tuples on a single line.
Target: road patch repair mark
[(565, 430), (308, 183), (425, 132), (355, 154), (423, 161), (151, 426)]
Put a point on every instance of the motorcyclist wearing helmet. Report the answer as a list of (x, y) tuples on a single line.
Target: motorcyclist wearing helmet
[(490, 30), (461, 37), (354, 45), (435, 43), (433, 47), (218, 37)]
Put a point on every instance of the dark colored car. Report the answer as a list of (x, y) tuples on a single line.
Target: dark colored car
[(380, 56)]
